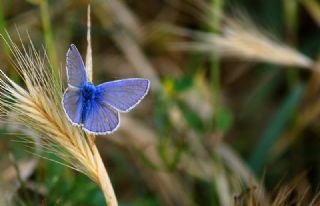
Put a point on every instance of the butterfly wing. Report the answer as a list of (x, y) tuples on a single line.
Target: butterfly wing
[(76, 72), (123, 95), (72, 103), (100, 118)]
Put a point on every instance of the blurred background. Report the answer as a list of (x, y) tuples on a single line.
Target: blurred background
[(232, 117)]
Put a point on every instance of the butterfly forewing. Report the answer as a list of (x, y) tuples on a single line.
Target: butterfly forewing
[(97, 109), (73, 105), (76, 72), (123, 95), (100, 118)]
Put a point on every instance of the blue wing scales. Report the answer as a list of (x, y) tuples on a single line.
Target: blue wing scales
[(100, 118), (76, 72), (100, 114), (123, 95), (73, 105)]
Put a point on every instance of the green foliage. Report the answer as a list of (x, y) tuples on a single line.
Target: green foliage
[(224, 119), (278, 123)]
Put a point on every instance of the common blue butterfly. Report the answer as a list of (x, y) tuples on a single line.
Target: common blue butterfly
[(96, 108)]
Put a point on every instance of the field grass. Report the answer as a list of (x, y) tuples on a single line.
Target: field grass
[(232, 116)]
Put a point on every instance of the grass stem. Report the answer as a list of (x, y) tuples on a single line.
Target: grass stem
[(215, 63), (45, 18), (103, 177), (104, 180), (291, 22)]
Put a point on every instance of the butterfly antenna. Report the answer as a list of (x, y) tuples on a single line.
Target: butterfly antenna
[(89, 50)]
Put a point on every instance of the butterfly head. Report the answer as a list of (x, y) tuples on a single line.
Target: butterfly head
[(88, 91)]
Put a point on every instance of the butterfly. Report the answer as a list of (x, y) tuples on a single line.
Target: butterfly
[(96, 108)]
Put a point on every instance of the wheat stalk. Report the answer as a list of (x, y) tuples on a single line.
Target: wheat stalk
[(38, 106)]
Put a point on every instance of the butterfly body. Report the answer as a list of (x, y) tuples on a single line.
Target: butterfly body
[(88, 91), (96, 108)]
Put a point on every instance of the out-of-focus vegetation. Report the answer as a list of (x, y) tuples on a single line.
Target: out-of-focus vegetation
[(232, 117)]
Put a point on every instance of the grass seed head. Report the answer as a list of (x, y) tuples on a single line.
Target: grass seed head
[(38, 106)]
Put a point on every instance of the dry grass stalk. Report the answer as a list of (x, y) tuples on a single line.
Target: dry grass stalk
[(126, 18), (89, 49), (39, 108), (313, 7), (241, 39), (106, 185)]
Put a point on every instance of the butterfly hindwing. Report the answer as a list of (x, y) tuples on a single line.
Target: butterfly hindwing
[(76, 72), (100, 118), (123, 95), (72, 103)]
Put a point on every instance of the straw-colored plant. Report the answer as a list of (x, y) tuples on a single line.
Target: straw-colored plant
[(38, 106), (240, 38)]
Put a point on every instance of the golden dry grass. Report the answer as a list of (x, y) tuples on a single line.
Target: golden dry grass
[(38, 106), (240, 38)]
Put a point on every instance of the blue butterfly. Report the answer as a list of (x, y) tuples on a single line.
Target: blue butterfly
[(96, 108)]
